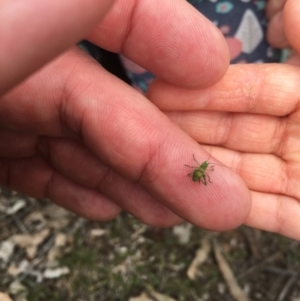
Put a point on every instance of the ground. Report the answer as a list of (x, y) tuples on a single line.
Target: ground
[(47, 253)]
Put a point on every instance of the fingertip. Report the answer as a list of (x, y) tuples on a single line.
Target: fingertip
[(220, 202), (275, 34), (232, 204), (207, 60), (190, 54), (273, 7), (171, 39), (291, 23)]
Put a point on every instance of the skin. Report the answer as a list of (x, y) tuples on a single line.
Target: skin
[(74, 133), (281, 26), (121, 30), (251, 119), (276, 35), (81, 137)]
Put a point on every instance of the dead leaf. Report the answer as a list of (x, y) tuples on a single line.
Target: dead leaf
[(36, 220), (59, 224), (30, 242), (97, 232), (53, 211), (235, 290), (17, 288), (57, 217), (159, 297), (15, 270), (138, 233), (2, 203), (151, 295), (183, 233), (201, 256), (56, 273), (121, 268), (18, 205), (6, 250), (4, 297), (59, 242), (141, 297)]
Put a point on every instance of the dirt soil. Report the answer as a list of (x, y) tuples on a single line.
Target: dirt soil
[(48, 253)]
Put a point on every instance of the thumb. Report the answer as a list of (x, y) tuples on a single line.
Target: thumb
[(33, 32), (291, 23)]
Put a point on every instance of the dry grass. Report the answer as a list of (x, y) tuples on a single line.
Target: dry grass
[(123, 258)]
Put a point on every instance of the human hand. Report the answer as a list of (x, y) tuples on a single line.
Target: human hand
[(284, 26), (252, 120), (76, 134), (275, 34), (26, 46), (34, 32)]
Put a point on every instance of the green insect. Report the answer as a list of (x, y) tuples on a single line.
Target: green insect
[(199, 174)]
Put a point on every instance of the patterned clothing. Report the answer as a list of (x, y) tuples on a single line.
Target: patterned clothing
[(243, 24)]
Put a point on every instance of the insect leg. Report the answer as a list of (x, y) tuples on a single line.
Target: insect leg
[(195, 160), (208, 178), (189, 174), (203, 180), (190, 166)]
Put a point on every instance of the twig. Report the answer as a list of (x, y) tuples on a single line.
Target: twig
[(259, 265), (235, 290), (281, 271), (19, 224), (286, 289), (250, 236), (36, 261)]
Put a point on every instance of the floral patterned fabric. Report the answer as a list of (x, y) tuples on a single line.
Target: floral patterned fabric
[(243, 24)]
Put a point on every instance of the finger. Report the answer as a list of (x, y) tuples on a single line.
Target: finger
[(270, 89), (275, 33), (78, 164), (275, 213), (34, 177), (169, 38), (34, 32), (239, 132), (291, 23), (273, 7), (294, 60), (264, 159), (127, 133), (16, 145), (261, 172)]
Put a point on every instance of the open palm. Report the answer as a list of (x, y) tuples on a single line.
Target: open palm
[(251, 119)]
